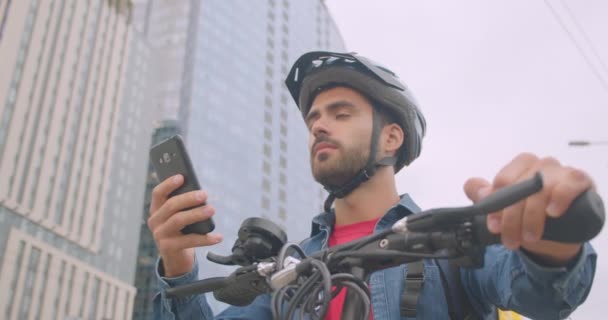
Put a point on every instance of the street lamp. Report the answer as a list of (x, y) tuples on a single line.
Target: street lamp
[(584, 143)]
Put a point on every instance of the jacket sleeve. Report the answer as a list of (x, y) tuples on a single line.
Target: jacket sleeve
[(511, 280), (196, 307)]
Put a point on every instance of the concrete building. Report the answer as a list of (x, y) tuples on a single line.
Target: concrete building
[(74, 135)]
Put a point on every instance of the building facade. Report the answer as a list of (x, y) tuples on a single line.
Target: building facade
[(73, 142), (225, 63), (147, 254)]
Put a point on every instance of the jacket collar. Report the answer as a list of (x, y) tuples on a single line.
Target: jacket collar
[(405, 207)]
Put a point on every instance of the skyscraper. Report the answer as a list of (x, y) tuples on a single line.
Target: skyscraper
[(225, 62), (145, 277), (73, 142)]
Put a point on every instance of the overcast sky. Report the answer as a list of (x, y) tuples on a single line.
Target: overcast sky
[(494, 78)]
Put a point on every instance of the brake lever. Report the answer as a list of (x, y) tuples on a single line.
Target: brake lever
[(446, 218)]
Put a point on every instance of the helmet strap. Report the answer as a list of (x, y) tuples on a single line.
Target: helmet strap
[(366, 172)]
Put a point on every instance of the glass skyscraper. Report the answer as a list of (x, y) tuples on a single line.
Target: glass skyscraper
[(145, 280), (223, 82)]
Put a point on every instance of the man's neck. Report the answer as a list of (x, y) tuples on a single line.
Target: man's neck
[(370, 200)]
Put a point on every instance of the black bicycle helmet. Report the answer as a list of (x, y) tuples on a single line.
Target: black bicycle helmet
[(316, 71)]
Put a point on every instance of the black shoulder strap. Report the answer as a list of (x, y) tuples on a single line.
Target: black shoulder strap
[(411, 291), (459, 306)]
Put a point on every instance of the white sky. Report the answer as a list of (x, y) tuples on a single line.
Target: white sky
[(494, 78)]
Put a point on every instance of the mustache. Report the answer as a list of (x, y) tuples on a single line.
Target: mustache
[(326, 139)]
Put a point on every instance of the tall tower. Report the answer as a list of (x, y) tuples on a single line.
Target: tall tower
[(73, 138), (224, 67)]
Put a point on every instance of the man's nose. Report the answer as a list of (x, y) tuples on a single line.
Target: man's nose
[(319, 127)]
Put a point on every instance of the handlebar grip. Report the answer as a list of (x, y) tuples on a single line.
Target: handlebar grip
[(242, 289), (236, 295), (582, 221), (197, 287)]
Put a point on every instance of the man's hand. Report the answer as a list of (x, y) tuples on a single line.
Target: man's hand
[(168, 218), (522, 224)]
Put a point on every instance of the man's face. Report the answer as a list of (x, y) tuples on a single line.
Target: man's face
[(340, 127)]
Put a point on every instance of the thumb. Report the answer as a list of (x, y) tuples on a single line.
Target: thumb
[(477, 188)]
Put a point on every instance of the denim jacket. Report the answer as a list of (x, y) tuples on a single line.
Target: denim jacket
[(509, 280)]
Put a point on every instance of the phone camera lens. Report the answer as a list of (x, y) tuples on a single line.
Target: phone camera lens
[(166, 157)]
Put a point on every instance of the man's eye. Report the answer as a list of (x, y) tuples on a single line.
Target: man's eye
[(342, 115)]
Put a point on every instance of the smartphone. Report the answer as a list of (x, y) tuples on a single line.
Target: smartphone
[(169, 158)]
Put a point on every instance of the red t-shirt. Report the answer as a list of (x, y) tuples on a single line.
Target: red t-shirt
[(343, 234)]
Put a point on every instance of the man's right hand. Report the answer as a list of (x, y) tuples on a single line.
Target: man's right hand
[(168, 217)]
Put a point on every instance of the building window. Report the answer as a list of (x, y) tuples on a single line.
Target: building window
[(14, 278), (93, 309), (71, 275), (270, 29), (266, 167), (44, 280), (266, 184), (26, 298), (268, 117), (267, 150), (269, 57), (283, 162), (265, 202), (85, 285), (57, 292)]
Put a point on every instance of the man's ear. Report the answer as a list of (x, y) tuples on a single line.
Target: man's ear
[(392, 138)]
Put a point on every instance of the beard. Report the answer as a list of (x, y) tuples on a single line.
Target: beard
[(337, 169)]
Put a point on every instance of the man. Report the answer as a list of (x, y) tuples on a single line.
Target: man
[(364, 126)]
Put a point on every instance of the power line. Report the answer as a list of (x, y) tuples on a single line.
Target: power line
[(577, 45), (585, 36)]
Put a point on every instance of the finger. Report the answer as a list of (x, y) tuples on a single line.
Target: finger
[(514, 170), (477, 188), (161, 192), (511, 225), (574, 183), (176, 204), (187, 241), (513, 216), (494, 222), (533, 222), (181, 219)]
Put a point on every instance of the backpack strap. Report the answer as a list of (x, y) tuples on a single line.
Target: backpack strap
[(459, 306), (411, 291)]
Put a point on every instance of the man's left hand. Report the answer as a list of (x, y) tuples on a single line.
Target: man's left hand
[(522, 224)]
